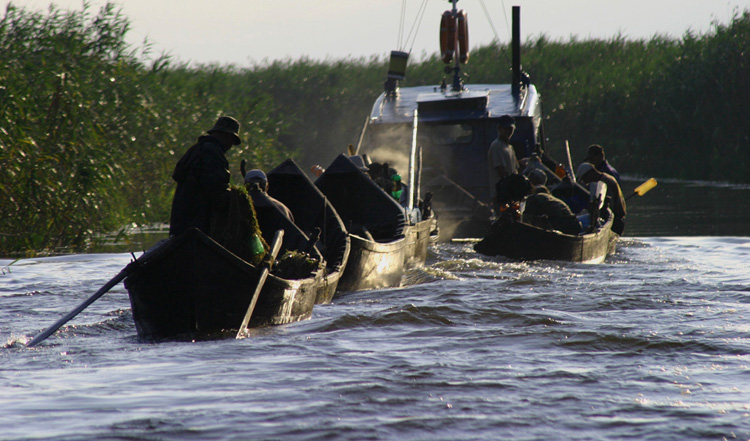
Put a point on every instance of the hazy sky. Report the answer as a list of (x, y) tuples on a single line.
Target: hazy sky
[(248, 31)]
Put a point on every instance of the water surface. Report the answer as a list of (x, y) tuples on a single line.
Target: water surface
[(654, 344)]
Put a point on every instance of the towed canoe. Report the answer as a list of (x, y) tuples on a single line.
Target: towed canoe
[(312, 210), (375, 222), (418, 239)]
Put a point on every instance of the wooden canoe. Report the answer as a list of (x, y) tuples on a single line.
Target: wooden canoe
[(376, 224), (519, 240), (192, 287), (311, 210)]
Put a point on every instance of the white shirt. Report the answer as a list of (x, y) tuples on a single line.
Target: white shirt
[(500, 154)]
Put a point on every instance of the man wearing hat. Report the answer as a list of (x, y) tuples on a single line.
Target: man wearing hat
[(202, 176), (587, 173), (501, 158)]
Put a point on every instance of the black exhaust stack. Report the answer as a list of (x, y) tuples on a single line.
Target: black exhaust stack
[(516, 51)]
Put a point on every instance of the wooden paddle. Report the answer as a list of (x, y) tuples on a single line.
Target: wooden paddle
[(569, 163), (265, 268), (643, 188), (464, 191), (132, 266)]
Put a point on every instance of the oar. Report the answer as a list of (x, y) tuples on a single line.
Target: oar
[(643, 188), (265, 268), (131, 267), (464, 191), (569, 164), (51, 330)]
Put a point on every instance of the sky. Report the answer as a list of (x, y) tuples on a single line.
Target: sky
[(249, 32)]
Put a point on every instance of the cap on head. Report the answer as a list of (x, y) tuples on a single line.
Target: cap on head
[(256, 175), (537, 177), (227, 124), (506, 121), (584, 168), (359, 161)]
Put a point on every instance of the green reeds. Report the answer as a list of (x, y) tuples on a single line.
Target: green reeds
[(90, 128)]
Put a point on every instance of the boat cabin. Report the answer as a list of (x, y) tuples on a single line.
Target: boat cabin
[(453, 134), (443, 132)]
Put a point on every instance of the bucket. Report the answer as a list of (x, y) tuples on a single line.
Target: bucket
[(397, 65)]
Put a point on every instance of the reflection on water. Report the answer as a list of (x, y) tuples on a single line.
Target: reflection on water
[(679, 208), (129, 239), (672, 208)]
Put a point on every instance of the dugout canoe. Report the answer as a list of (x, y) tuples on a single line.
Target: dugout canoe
[(419, 237), (193, 287), (375, 222), (520, 240), (312, 210)]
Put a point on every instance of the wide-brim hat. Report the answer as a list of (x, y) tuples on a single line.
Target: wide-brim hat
[(537, 177), (227, 124), (512, 188)]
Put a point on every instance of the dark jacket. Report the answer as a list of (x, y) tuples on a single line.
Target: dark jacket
[(617, 202), (546, 211), (604, 167), (202, 176)]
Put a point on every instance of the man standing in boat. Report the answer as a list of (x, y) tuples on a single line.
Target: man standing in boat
[(501, 158), (202, 176)]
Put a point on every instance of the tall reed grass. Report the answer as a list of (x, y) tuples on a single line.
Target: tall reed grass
[(90, 128), (89, 132)]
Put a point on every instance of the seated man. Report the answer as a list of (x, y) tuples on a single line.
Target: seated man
[(546, 211), (587, 173), (256, 180), (542, 209)]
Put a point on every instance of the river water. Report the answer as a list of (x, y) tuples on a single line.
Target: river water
[(653, 344)]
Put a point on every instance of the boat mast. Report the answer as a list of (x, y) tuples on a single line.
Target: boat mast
[(457, 83), (516, 54)]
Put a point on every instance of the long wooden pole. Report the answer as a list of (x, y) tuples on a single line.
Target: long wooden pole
[(413, 162), (265, 268), (569, 164), (131, 267)]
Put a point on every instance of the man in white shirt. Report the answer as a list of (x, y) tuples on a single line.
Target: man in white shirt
[(501, 158)]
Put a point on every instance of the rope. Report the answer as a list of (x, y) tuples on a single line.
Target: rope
[(401, 25), (236, 228), (417, 22), (492, 24)]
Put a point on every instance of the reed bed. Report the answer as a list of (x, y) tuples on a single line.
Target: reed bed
[(90, 128)]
